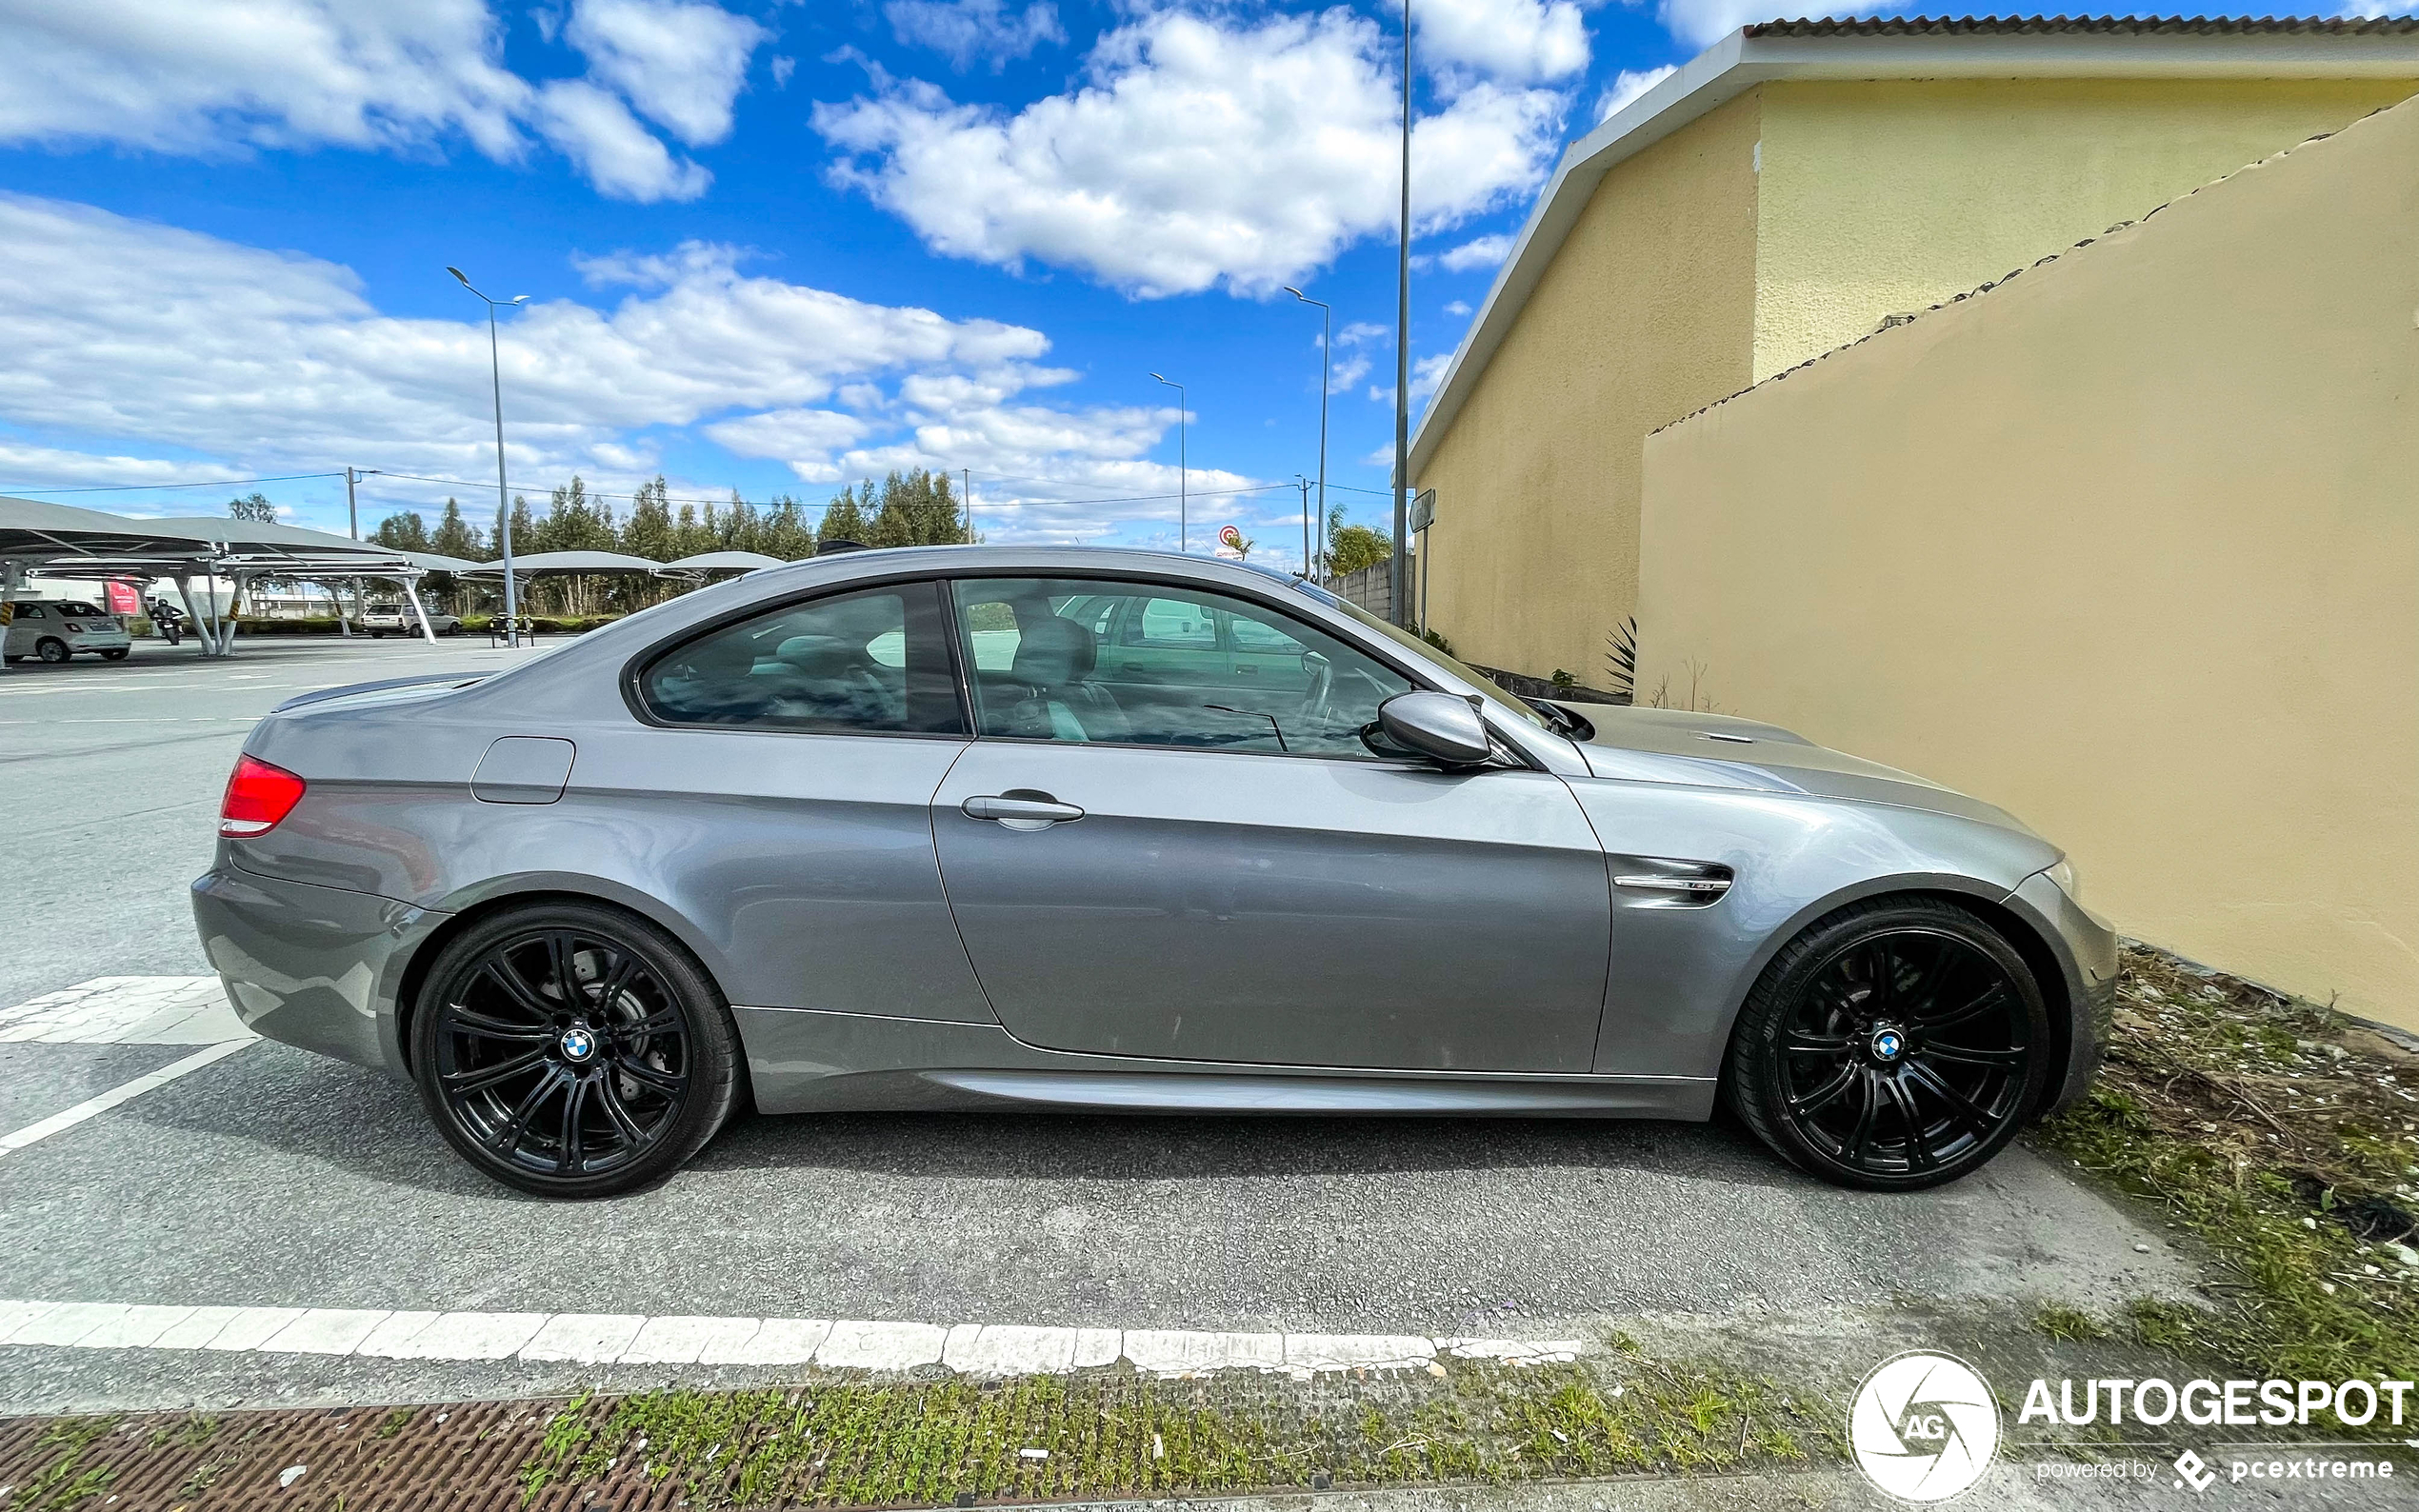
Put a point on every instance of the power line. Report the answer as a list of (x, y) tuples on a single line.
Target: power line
[(132, 488), (599, 494)]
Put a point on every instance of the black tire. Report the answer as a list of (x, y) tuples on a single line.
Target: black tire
[(50, 649), (377, 635), (1895, 1044), (509, 1084), (115, 653)]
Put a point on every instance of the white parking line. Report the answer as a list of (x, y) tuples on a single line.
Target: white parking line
[(986, 1350), (92, 1106)]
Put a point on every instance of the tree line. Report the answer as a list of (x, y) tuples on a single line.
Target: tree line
[(915, 508)]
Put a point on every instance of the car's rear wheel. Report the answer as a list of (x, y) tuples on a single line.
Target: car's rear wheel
[(1895, 1044), (51, 650), (574, 1050)]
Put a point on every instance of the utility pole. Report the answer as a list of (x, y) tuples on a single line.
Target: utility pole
[(352, 524), (965, 487), (1184, 471), (1327, 368), (1400, 598), (1305, 524)]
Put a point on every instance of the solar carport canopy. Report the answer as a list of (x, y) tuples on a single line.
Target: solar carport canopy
[(63, 540)]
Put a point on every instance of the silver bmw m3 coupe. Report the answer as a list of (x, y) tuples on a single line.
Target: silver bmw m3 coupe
[(984, 827)]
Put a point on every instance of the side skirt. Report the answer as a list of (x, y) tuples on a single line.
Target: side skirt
[(805, 1061)]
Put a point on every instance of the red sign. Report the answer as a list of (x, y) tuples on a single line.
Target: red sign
[(1228, 535), (123, 599)]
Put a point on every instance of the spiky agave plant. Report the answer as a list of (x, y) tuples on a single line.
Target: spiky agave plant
[(1622, 656)]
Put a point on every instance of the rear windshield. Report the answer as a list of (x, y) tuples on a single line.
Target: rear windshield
[(69, 610)]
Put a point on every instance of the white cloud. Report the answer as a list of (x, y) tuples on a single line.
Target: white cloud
[(126, 337), (1484, 251), (1628, 86), (680, 64), (1458, 306), (803, 438), (1702, 23), (210, 77), (1427, 374), (597, 130), (1193, 156), (1350, 370), (964, 31), (1517, 41)]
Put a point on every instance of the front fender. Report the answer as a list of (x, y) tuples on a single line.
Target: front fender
[(1681, 971)]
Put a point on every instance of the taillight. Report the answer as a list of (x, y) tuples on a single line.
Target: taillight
[(258, 795)]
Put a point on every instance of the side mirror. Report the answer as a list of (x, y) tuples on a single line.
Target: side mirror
[(1438, 726)]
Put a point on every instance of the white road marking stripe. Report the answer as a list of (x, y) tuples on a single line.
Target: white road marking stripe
[(125, 1010), (92, 1106), (975, 1349)]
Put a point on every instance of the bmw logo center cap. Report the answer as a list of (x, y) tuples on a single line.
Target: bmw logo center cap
[(578, 1045), (1888, 1044)]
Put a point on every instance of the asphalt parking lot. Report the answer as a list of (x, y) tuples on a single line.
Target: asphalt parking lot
[(270, 1178)]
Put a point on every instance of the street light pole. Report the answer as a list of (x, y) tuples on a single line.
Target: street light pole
[(1326, 367), (1184, 473), (503, 501), (1401, 599)]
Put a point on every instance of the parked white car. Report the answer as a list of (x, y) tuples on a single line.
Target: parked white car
[(397, 619), (55, 630)]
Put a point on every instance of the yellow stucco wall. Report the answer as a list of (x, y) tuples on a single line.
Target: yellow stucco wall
[(2129, 545), (1645, 316), (1886, 196)]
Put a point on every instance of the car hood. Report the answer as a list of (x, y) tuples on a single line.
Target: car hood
[(1720, 750)]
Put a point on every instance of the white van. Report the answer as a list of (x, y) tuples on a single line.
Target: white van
[(55, 630)]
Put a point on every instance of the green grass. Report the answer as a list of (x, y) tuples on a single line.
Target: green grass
[(1119, 1434), (67, 1482), (2067, 1324), (2296, 1297)]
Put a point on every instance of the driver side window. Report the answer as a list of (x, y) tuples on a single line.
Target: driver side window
[(1045, 668)]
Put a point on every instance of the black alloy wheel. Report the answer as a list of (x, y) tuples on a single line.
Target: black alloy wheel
[(572, 1050), (1893, 1045)]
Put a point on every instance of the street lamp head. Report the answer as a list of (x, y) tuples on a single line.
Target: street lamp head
[(458, 274), (1161, 380), (520, 299)]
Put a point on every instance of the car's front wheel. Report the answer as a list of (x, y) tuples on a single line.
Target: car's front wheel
[(1894, 1044), (572, 1050)]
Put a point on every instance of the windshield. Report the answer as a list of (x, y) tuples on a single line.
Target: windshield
[(1475, 678), (71, 610)]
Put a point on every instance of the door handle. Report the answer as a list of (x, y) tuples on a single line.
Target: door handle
[(1019, 809)]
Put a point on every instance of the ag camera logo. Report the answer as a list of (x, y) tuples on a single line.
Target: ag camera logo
[(1924, 1427)]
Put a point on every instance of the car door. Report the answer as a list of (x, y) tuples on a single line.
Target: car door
[(1197, 872), (779, 794)]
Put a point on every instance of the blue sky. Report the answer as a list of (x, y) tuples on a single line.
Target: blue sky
[(769, 247)]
